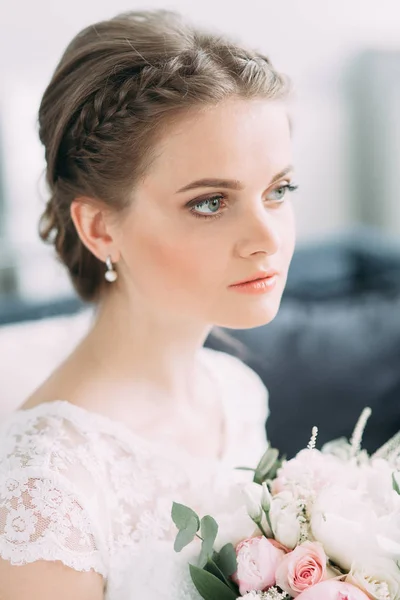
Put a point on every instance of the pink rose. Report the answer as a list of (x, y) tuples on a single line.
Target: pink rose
[(302, 568), (333, 590), (257, 560), (280, 546)]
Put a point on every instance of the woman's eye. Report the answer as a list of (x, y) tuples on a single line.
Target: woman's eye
[(213, 206), (208, 207), (278, 194)]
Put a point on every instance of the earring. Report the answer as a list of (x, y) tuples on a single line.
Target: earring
[(110, 275)]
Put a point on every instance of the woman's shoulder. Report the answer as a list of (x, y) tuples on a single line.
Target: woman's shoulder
[(41, 437), (57, 434)]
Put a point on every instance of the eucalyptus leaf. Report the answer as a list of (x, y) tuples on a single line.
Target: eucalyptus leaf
[(226, 560), (209, 530), (395, 484), (183, 515), (204, 557), (185, 536), (209, 586)]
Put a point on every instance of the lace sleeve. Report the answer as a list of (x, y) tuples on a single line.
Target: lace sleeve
[(44, 512)]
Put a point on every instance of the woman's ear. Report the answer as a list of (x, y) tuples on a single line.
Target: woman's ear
[(89, 218)]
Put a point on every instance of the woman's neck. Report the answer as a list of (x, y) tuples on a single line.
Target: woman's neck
[(154, 351)]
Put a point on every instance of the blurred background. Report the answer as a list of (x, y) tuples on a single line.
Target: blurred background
[(344, 60)]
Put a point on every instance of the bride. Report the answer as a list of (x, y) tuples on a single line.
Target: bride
[(168, 157)]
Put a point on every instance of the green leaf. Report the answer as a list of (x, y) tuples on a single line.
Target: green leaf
[(209, 530), (183, 515), (244, 469), (185, 536), (226, 560), (213, 568), (272, 473), (395, 484), (209, 586), (265, 465)]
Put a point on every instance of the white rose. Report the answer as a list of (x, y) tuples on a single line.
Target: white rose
[(345, 525), (283, 515), (378, 577)]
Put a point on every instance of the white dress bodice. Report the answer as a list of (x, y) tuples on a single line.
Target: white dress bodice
[(83, 489)]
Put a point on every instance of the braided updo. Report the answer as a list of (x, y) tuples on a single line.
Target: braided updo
[(117, 84)]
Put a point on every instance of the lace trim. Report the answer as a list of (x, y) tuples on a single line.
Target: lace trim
[(43, 516), (19, 556)]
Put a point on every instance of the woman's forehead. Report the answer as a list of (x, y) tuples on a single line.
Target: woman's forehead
[(222, 141)]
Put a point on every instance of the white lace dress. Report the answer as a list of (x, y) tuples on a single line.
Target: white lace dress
[(83, 489)]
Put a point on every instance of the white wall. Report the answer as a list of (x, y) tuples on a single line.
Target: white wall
[(312, 40)]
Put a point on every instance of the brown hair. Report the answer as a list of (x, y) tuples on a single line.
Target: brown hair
[(116, 86)]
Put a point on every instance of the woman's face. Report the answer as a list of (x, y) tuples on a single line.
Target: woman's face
[(213, 209)]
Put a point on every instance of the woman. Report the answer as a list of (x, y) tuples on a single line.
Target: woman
[(169, 163)]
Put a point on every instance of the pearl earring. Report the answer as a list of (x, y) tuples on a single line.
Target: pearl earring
[(110, 275)]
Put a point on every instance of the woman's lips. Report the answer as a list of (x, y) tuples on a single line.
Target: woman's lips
[(257, 286)]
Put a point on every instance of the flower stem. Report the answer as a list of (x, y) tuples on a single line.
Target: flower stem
[(260, 526)]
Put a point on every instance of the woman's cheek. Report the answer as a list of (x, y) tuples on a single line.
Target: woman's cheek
[(173, 267)]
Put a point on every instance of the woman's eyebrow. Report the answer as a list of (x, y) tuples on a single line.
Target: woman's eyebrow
[(230, 184)]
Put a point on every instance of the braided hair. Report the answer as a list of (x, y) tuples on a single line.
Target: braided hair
[(117, 85)]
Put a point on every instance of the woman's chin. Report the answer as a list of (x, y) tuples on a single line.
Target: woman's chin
[(250, 318)]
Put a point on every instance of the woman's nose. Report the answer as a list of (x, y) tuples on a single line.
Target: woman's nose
[(259, 232)]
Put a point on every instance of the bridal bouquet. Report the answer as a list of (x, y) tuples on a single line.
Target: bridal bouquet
[(327, 527)]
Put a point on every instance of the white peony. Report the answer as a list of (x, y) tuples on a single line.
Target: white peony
[(350, 522), (311, 470), (345, 525), (388, 535), (375, 479), (378, 577), (283, 515)]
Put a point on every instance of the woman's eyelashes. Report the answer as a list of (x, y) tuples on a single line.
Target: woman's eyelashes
[(213, 203), (279, 193)]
